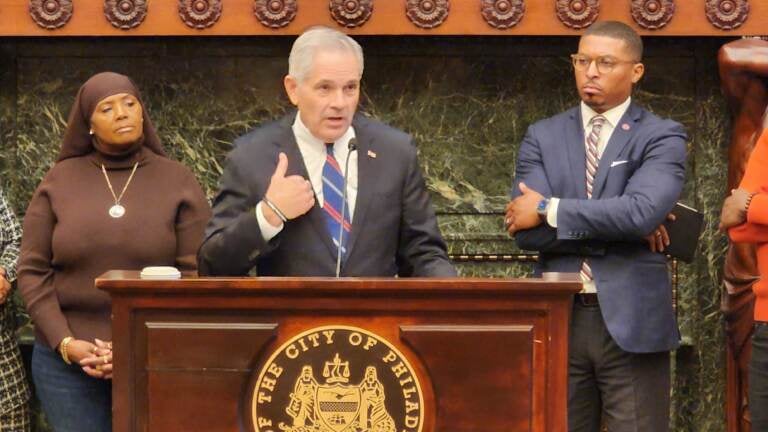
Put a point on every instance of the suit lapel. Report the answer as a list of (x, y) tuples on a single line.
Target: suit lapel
[(367, 173), (577, 154), (296, 166), (620, 137)]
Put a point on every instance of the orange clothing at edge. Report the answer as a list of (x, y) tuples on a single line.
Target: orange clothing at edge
[(755, 229)]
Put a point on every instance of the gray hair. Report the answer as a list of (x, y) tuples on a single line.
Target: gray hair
[(315, 39)]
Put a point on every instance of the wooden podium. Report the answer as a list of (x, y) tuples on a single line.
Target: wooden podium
[(323, 354)]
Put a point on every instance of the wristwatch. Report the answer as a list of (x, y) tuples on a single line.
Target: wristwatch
[(543, 208)]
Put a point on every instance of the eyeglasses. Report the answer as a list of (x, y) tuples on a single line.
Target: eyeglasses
[(605, 64)]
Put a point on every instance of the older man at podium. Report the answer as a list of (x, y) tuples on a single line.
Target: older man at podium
[(324, 191)]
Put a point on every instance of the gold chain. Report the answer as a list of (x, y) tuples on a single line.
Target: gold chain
[(118, 198)]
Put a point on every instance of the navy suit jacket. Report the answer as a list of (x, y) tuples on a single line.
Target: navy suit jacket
[(394, 229), (639, 179)]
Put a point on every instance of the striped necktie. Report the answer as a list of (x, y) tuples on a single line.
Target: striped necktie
[(593, 160), (333, 197)]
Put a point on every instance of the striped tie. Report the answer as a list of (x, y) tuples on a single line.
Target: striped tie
[(593, 160), (333, 197)]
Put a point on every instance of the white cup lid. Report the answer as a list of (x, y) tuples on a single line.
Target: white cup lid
[(160, 272)]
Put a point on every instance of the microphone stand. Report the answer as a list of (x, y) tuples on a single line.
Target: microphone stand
[(352, 146)]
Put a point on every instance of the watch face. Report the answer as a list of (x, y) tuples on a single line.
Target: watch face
[(542, 205)]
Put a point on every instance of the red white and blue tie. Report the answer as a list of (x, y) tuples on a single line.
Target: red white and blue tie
[(333, 197)]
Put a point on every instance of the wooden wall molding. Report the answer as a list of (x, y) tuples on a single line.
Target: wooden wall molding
[(35, 18), (727, 14), (351, 13), (275, 14), (50, 14), (200, 14), (653, 14), (577, 14), (125, 14), (427, 14), (502, 14)]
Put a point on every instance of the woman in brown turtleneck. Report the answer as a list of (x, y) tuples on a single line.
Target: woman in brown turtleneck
[(113, 200)]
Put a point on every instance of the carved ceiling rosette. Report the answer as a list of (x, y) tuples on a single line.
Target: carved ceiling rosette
[(275, 13), (125, 14), (652, 14), (502, 14), (51, 14), (427, 14), (577, 14), (200, 14), (727, 14), (351, 13)]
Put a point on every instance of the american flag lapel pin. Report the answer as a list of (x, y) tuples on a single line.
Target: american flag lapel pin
[(371, 154)]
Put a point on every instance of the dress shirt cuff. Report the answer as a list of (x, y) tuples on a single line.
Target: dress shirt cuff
[(268, 231), (552, 212), (588, 287)]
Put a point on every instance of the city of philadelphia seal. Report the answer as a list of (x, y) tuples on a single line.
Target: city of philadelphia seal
[(337, 379)]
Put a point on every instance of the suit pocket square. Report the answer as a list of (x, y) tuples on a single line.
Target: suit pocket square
[(617, 163)]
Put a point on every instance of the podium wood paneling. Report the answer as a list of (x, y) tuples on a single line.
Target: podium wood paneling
[(510, 380), (490, 354)]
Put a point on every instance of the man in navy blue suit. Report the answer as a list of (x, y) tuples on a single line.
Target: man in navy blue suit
[(325, 190), (592, 187)]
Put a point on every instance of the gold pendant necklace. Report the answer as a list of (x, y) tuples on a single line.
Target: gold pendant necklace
[(117, 210)]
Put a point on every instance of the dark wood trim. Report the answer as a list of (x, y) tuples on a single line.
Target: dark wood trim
[(422, 17)]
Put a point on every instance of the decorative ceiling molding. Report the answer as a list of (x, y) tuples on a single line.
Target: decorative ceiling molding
[(652, 14), (51, 14), (427, 14), (502, 14), (727, 14), (275, 13), (351, 13), (125, 14), (577, 14), (200, 14)]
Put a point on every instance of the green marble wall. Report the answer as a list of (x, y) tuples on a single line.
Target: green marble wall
[(468, 102)]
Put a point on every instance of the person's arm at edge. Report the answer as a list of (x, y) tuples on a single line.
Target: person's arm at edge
[(11, 240), (422, 251), (36, 274), (192, 216)]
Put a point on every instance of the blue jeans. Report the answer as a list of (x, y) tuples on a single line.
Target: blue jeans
[(72, 401)]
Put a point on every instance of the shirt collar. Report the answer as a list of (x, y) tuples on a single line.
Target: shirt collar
[(612, 116), (303, 134)]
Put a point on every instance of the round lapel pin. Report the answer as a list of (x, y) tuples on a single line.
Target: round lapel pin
[(625, 126)]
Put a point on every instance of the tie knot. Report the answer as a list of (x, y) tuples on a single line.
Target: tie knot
[(329, 148), (597, 121)]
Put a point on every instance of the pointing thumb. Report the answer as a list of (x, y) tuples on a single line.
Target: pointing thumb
[(523, 188)]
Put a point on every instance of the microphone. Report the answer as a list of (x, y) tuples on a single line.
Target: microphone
[(351, 146)]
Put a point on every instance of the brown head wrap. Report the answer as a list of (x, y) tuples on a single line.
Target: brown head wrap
[(77, 140)]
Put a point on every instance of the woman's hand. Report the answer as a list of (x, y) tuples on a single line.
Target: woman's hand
[(734, 210), (98, 363), (78, 349)]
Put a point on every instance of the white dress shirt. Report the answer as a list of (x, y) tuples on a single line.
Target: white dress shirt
[(612, 118), (313, 152)]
